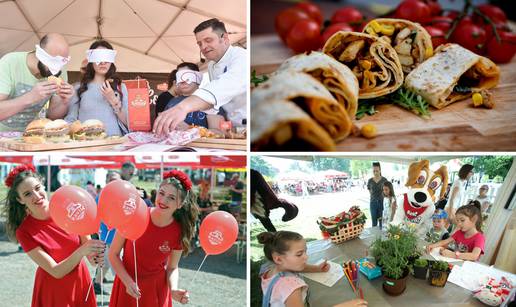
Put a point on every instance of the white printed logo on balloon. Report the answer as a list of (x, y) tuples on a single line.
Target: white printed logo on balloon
[(130, 206), (215, 237), (76, 211)]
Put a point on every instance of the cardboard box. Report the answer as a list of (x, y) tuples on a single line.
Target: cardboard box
[(139, 118)]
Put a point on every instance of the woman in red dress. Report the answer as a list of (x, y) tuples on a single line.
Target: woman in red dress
[(167, 236), (62, 277)]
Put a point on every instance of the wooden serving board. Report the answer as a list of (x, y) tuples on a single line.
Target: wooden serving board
[(19, 145), (230, 144), (457, 127)]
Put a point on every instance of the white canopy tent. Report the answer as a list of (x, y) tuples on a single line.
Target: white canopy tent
[(150, 36)]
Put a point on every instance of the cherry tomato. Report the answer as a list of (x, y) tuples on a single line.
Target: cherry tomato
[(435, 7), (413, 10), (286, 19), (332, 29), (442, 22), (494, 13), (470, 36), (504, 51), (347, 14), (360, 26), (452, 14), (500, 27), (437, 36), (305, 35), (313, 10)]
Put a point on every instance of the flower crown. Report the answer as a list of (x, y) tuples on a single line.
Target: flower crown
[(181, 177), (17, 170)]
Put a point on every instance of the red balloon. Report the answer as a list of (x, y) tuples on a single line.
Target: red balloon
[(74, 210), (138, 223), (118, 202), (218, 232)]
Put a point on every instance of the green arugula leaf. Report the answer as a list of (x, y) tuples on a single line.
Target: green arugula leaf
[(256, 80)]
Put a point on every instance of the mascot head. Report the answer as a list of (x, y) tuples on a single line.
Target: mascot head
[(423, 184)]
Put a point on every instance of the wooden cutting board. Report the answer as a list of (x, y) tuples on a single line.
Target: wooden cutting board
[(19, 145), (230, 144), (458, 127)]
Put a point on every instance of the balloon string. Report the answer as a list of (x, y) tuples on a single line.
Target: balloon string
[(101, 284), (135, 269), (191, 283)]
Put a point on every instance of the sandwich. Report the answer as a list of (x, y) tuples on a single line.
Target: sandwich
[(454, 73), (281, 125), (411, 41), (309, 95), (372, 60), (35, 131), (337, 78), (56, 131), (55, 79), (91, 129)]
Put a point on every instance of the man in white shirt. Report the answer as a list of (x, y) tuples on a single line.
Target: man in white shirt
[(227, 88)]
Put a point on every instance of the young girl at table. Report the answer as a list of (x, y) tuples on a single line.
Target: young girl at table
[(101, 94), (389, 203), (468, 240), (167, 236), (281, 283), (62, 277)]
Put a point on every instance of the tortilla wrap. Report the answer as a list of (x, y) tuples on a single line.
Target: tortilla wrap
[(310, 95), (280, 125), (338, 79), (452, 65), (372, 60)]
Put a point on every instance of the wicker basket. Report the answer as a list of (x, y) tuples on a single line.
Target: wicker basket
[(347, 233)]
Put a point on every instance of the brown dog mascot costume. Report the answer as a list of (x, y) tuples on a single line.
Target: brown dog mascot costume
[(418, 207)]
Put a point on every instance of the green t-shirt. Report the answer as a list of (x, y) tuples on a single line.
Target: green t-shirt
[(17, 80)]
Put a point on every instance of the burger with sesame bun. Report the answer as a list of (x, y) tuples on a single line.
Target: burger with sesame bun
[(56, 131), (35, 131), (91, 129)]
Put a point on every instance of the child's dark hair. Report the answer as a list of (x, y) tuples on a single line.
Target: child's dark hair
[(277, 242), (464, 171), (388, 184), (470, 210)]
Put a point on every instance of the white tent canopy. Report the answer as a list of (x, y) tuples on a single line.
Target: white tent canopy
[(150, 35)]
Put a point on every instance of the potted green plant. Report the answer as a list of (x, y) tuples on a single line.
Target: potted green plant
[(439, 271), (392, 253), (420, 268)]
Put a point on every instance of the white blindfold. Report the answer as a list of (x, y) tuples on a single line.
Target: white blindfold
[(54, 63), (101, 55), (188, 76)]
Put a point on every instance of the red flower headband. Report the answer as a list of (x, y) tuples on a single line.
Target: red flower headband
[(15, 171), (181, 176)]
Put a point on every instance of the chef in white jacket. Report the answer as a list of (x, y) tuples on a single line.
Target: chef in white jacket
[(227, 88)]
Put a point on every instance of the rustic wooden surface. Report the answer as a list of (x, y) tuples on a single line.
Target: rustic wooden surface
[(458, 127), (229, 144), (96, 145)]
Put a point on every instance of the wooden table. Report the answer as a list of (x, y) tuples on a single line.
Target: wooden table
[(458, 127), (418, 292)]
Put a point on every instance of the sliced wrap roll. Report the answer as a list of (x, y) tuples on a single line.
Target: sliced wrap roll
[(310, 95), (454, 73), (280, 125), (338, 79), (410, 40), (373, 61)]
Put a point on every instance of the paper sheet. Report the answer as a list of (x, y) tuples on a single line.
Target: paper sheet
[(437, 256), (471, 274), (327, 278)]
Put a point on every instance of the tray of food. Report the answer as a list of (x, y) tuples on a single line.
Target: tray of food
[(217, 139), (46, 135)]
